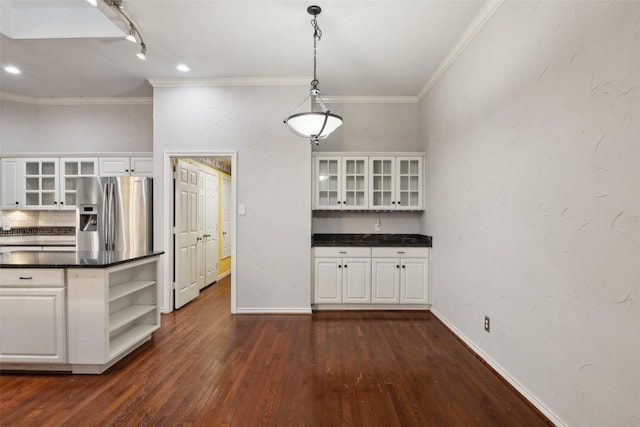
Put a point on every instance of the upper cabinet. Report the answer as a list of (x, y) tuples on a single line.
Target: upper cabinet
[(341, 183), (11, 173), (40, 183), (126, 166), (70, 170), (368, 182), (50, 183)]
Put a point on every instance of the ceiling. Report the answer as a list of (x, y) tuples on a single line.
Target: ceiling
[(68, 48)]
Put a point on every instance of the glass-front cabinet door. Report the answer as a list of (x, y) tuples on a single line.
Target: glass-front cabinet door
[(409, 183), (40, 184), (327, 183), (354, 183), (70, 170), (382, 183)]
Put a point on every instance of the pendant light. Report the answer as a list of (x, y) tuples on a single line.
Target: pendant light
[(315, 125)]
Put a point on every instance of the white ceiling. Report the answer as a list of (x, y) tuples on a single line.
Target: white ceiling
[(368, 48)]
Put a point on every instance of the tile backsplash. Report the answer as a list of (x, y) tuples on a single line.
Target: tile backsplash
[(20, 219)]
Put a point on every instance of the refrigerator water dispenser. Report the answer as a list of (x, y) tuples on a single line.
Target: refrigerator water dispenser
[(88, 220)]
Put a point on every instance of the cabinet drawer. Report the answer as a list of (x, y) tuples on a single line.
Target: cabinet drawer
[(399, 252), (31, 277), (341, 251)]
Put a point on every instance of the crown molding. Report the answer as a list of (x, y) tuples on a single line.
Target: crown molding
[(76, 101), (229, 81), (370, 99), (479, 21)]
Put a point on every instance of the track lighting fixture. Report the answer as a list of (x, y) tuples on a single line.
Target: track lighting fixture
[(134, 34), (315, 125)]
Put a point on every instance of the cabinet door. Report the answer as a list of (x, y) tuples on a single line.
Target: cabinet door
[(409, 183), (356, 280), (32, 325), (142, 166), (414, 281), (355, 177), (115, 166), (327, 280), (70, 170), (385, 280), (11, 178), (327, 183), (40, 184), (382, 183)]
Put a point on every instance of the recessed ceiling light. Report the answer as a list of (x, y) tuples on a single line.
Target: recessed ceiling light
[(182, 67), (13, 70)]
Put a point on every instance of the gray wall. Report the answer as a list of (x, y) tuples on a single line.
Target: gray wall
[(30, 128), (273, 175), (533, 180)]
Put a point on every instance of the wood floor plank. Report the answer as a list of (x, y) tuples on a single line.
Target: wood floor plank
[(206, 367)]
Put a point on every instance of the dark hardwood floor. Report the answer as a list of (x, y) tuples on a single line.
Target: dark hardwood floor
[(206, 367)]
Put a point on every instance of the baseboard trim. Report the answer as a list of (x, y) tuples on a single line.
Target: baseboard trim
[(530, 397), (223, 275), (273, 311)]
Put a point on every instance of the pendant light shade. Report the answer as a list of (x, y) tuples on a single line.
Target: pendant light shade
[(314, 125)]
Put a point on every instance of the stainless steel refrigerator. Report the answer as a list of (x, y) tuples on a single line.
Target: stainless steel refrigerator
[(114, 214)]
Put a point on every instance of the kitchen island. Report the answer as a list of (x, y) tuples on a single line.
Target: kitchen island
[(75, 311)]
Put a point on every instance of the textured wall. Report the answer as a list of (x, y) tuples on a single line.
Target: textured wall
[(273, 175), (27, 128), (533, 180)]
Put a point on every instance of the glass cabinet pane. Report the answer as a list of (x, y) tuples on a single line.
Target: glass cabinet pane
[(32, 184), (87, 168), (48, 168), (71, 168), (32, 168)]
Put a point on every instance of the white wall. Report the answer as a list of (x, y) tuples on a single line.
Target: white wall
[(533, 179), (372, 127), (273, 173), (29, 128)]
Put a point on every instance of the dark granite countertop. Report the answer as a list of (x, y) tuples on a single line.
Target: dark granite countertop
[(86, 259), (403, 240)]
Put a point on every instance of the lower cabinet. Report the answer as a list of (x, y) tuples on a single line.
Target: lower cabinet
[(379, 276), (400, 275), (111, 312), (32, 316), (342, 275)]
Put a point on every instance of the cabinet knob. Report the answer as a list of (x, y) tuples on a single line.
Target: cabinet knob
[(393, 203), (345, 266), (404, 266), (62, 203), (17, 203), (132, 171), (339, 266), (397, 266), (55, 203), (126, 170), (338, 201)]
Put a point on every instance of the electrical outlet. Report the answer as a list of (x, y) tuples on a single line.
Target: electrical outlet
[(487, 324), (377, 226), (6, 226)]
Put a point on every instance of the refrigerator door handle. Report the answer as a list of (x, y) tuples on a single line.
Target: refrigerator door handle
[(105, 216), (110, 215)]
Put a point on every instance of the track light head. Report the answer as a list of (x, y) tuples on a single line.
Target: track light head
[(143, 52)]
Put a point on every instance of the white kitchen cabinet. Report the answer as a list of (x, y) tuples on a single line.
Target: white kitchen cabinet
[(400, 275), (11, 180), (40, 184), (32, 316), (341, 183), (126, 166), (110, 312), (396, 183), (341, 275), (70, 170)]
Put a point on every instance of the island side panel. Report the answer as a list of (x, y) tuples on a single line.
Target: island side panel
[(87, 315)]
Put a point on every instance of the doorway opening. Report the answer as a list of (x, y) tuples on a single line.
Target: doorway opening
[(200, 231)]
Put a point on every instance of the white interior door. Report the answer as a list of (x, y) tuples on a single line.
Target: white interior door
[(226, 217), (186, 285), (211, 228), (201, 249)]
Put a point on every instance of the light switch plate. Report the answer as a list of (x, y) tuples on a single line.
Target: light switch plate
[(242, 210)]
